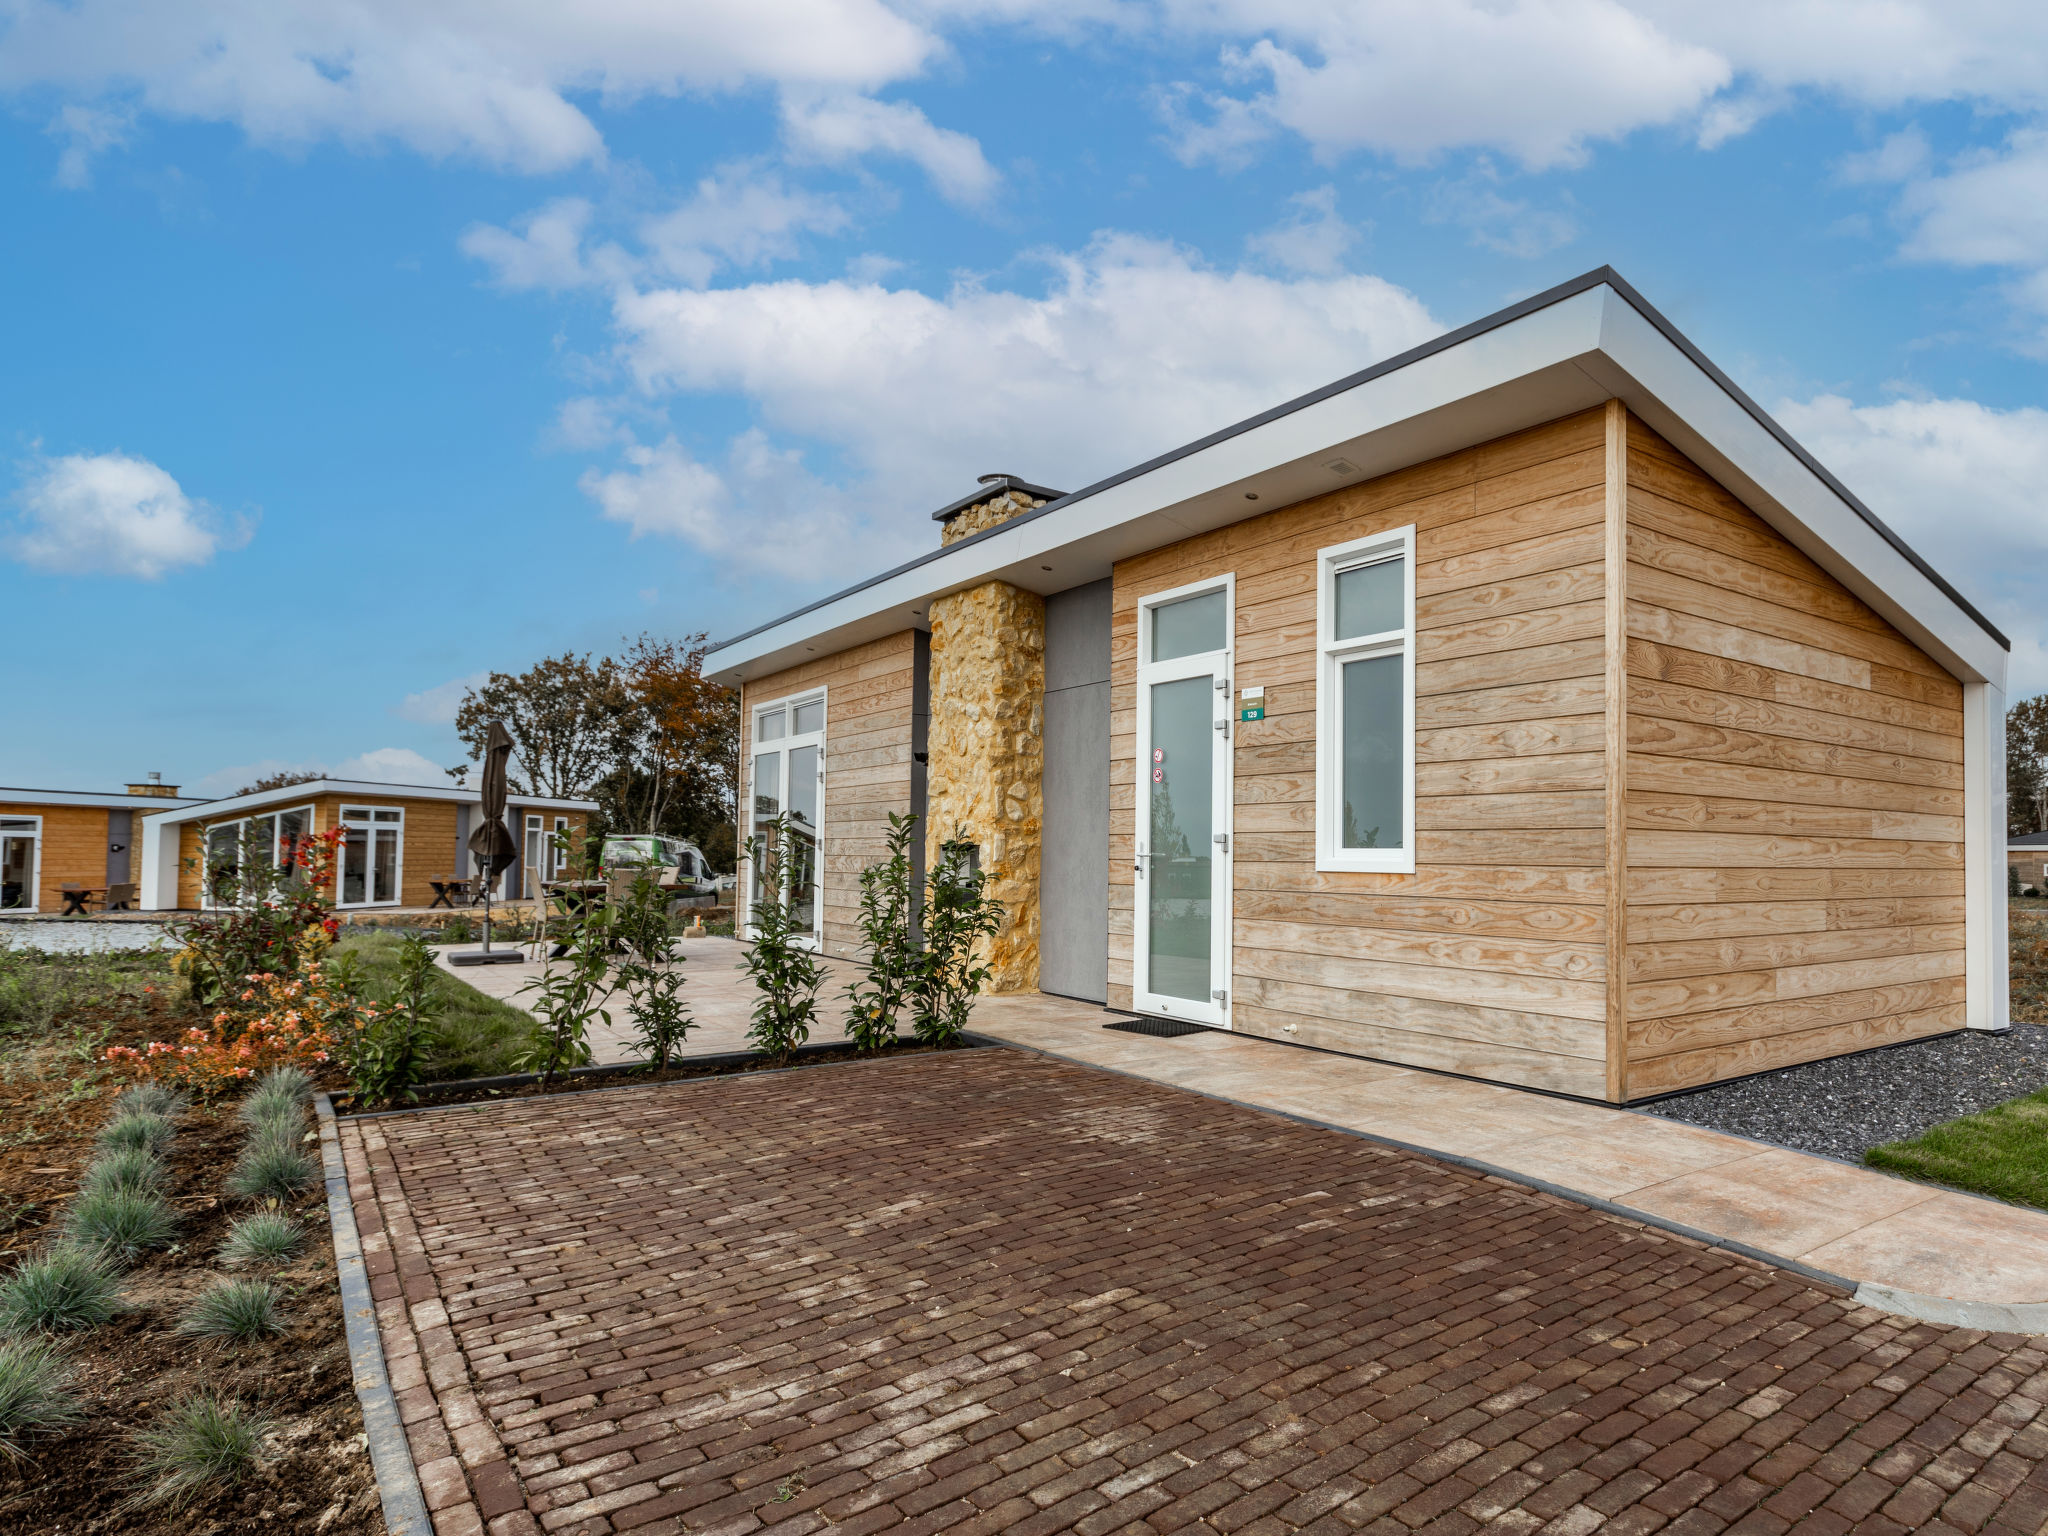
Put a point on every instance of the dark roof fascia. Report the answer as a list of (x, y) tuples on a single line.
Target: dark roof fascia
[(2028, 840), (1570, 289)]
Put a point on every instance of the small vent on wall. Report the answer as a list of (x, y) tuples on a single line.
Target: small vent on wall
[(1341, 467)]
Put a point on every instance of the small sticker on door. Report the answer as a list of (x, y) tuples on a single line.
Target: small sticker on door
[(1158, 775), (1159, 754)]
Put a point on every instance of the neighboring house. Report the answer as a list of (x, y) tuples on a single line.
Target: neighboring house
[(1529, 706), (400, 837), (51, 838), (2029, 855)]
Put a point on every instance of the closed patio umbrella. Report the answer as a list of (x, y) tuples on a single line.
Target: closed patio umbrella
[(491, 844)]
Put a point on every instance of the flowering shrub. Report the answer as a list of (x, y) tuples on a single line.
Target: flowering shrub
[(266, 931), (293, 1019)]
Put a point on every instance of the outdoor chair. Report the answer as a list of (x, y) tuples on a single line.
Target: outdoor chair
[(121, 898)]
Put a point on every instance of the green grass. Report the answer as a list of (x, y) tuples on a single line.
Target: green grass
[(480, 1036), (2001, 1151), (38, 990), (120, 1223), (60, 1289), (234, 1309), (200, 1441), (136, 1168), (271, 1169), (151, 1133), (268, 1237), (35, 1395)]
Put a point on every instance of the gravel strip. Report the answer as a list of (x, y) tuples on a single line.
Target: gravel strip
[(1842, 1107)]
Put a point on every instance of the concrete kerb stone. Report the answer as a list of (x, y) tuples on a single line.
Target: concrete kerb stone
[(398, 1483), (1990, 1316)]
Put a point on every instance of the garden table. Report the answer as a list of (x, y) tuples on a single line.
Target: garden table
[(76, 896)]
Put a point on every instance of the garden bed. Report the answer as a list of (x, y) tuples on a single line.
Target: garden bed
[(314, 1476)]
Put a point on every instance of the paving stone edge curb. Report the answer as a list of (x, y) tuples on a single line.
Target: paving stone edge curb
[(1990, 1316), (398, 1483)]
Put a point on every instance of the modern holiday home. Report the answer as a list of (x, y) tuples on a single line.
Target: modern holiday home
[(74, 850), (403, 845), (1529, 706)]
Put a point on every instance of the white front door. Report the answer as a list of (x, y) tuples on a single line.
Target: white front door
[(789, 779), (1181, 931), (372, 862), (20, 841)]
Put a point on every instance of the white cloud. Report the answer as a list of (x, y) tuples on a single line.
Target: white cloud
[(1135, 346), (443, 77), (1532, 79), (88, 131), (737, 218), (437, 705), (1962, 483), (1315, 237), (545, 250), (1512, 226), (110, 514), (836, 129), (383, 765)]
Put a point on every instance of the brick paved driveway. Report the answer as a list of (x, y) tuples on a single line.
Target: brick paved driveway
[(992, 1292)]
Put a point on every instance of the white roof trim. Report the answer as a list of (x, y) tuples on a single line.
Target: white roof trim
[(291, 794), (1560, 352), (95, 798)]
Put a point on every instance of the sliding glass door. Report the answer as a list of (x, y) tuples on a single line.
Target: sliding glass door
[(20, 839), (372, 861)]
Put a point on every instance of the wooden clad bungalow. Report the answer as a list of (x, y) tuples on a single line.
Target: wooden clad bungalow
[(400, 838), (54, 838), (1530, 707)]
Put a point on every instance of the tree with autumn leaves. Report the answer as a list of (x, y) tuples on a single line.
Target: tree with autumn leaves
[(645, 734)]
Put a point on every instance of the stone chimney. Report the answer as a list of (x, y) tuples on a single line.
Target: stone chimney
[(154, 787), (998, 499)]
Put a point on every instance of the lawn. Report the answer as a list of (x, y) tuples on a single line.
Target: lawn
[(479, 1034), (2001, 1151)]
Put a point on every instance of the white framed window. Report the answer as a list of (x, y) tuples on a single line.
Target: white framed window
[(1365, 704), (272, 837), (371, 870), (786, 776), (21, 863)]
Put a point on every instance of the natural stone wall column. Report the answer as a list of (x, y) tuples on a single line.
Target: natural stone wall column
[(987, 750)]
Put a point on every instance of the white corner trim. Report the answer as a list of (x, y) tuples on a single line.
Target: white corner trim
[(1987, 978)]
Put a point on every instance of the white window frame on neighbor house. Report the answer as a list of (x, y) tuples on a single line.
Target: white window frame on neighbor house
[(785, 744), (13, 826), (538, 836), (276, 820), (373, 827), (1332, 654)]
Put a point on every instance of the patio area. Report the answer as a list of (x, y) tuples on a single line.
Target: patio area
[(995, 1292), (1924, 1243)]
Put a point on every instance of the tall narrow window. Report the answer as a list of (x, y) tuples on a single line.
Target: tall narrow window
[(1365, 704), (788, 779)]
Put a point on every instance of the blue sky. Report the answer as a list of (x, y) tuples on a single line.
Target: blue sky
[(355, 350)]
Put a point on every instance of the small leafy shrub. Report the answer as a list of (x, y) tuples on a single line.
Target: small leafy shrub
[(261, 914), (878, 995), (958, 914), (569, 995), (233, 1309), (202, 1440), (268, 1237), (35, 1395), (387, 1057), (148, 1132), (271, 1168), (120, 1223), (59, 1289), (457, 930), (150, 1099), (135, 1168), (786, 974), (651, 974)]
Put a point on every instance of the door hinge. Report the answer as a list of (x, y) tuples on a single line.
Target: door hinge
[(1222, 840), (1221, 996)]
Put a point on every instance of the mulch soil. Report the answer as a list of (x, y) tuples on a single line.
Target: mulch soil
[(316, 1475)]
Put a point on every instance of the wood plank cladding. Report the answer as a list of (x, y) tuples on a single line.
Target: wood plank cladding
[(1491, 958), (1794, 799), (868, 695), (73, 848)]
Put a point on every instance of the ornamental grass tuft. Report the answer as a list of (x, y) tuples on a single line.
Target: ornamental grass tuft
[(271, 1169), (59, 1289), (150, 1099), (286, 1082), (202, 1440), (35, 1395), (133, 1168), (234, 1309), (120, 1222), (152, 1132), (268, 1237)]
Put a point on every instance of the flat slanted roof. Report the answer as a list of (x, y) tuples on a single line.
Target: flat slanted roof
[(1562, 351)]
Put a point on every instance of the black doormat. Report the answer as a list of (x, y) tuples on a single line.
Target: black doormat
[(1166, 1027)]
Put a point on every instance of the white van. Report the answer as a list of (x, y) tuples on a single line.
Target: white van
[(680, 864)]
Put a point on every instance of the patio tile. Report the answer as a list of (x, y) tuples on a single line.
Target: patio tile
[(1951, 1245), (1782, 1202)]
